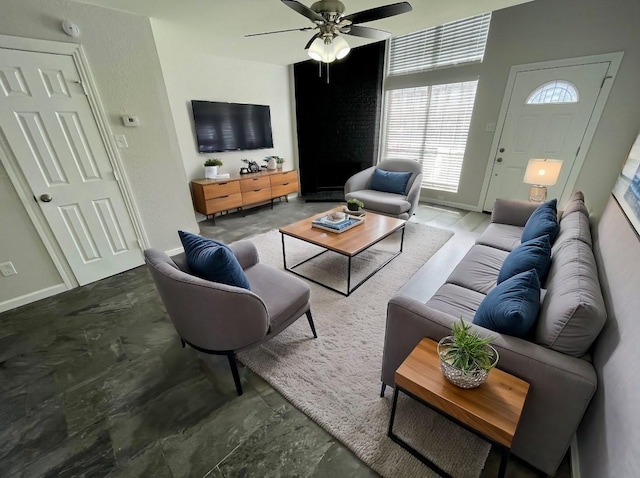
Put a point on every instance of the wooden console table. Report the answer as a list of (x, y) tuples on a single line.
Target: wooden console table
[(491, 411), (211, 196)]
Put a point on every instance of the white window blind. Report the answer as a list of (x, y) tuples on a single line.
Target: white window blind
[(431, 124), (462, 41)]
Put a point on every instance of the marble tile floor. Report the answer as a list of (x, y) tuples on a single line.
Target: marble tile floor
[(93, 382)]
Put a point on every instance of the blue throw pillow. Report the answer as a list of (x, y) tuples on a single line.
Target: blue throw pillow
[(512, 307), (389, 181), (533, 254), (544, 220), (212, 260)]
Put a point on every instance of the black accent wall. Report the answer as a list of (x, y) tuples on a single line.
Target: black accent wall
[(338, 123)]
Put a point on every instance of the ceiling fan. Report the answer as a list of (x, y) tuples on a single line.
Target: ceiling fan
[(328, 16)]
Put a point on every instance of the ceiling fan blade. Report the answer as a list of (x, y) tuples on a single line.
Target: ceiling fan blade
[(378, 12), (311, 41), (366, 32), (280, 31), (303, 10)]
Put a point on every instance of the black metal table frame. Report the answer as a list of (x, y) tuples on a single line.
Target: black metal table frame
[(504, 450), (349, 257)]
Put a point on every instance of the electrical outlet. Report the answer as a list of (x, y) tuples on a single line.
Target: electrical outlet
[(7, 269)]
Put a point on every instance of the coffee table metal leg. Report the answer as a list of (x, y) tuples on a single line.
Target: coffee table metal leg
[(284, 254), (349, 276)]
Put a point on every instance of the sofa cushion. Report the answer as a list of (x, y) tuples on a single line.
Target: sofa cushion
[(575, 203), (387, 203), (573, 312), (501, 236), (389, 181), (212, 260), (512, 307), (573, 226), (544, 220), (533, 254), (479, 268), (456, 301)]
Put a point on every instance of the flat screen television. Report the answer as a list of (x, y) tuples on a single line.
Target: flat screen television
[(231, 126)]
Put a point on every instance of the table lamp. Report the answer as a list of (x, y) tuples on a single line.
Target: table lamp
[(541, 173)]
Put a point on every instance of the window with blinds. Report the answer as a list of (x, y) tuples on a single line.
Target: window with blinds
[(430, 124), (454, 43)]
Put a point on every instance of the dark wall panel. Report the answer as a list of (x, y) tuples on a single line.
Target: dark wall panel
[(338, 123)]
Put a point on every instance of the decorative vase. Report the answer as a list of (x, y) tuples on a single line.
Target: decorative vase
[(279, 165), (352, 207), (210, 172), (463, 378), (271, 164)]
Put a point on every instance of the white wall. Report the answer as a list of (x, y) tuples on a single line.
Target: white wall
[(192, 71), (123, 59), (549, 30)]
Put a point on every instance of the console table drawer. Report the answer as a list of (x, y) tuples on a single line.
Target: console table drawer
[(253, 184), (224, 203), (256, 196), (284, 189), (284, 178), (217, 190)]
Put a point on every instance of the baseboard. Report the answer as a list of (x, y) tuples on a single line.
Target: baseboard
[(465, 207), (174, 252), (575, 458), (32, 297)]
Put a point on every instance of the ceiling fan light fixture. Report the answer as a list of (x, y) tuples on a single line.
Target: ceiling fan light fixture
[(340, 47), (321, 51)]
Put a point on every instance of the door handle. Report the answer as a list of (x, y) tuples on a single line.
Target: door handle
[(45, 198)]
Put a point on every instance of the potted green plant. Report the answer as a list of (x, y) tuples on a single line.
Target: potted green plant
[(466, 358), (211, 168), (354, 205)]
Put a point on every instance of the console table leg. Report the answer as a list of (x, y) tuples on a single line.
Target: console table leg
[(503, 462), (382, 389)]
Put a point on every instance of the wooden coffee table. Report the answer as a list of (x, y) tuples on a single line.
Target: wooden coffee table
[(491, 411), (350, 243)]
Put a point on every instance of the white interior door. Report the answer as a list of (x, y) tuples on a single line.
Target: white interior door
[(547, 116), (48, 125)]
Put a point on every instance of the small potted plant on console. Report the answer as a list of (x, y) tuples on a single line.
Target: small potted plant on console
[(354, 205), (465, 358), (211, 168)]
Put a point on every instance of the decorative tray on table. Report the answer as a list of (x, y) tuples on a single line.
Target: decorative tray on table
[(337, 226)]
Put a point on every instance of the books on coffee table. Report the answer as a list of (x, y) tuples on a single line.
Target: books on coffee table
[(336, 226)]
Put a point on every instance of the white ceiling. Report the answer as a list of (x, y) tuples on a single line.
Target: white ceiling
[(222, 24)]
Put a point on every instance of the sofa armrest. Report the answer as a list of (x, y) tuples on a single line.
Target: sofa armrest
[(245, 252), (512, 212), (561, 386), (359, 181)]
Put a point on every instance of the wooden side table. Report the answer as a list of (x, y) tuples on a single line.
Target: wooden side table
[(491, 411)]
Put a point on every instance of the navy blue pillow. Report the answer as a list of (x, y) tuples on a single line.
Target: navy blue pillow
[(533, 254), (389, 181), (212, 260), (544, 220), (512, 307)]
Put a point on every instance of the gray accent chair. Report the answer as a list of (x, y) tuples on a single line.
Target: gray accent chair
[(219, 319), (401, 206)]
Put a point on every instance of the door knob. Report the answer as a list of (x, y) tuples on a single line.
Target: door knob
[(45, 198), (499, 160)]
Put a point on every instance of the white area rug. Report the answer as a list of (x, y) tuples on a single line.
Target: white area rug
[(335, 379)]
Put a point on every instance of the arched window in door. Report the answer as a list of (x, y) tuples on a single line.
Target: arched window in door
[(554, 92)]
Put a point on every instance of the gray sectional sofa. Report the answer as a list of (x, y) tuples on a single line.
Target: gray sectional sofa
[(555, 360)]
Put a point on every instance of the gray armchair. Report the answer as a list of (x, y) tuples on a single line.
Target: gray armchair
[(390, 204), (219, 319)]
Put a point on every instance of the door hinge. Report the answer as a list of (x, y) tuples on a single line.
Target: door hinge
[(115, 176), (140, 244), (605, 79)]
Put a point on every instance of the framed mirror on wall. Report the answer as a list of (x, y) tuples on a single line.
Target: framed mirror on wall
[(627, 187)]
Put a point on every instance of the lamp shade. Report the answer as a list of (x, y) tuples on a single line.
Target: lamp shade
[(321, 51), (340, 47), (542, 172)]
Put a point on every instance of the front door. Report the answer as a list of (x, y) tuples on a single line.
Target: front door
[(547, 116), (48, 127)]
